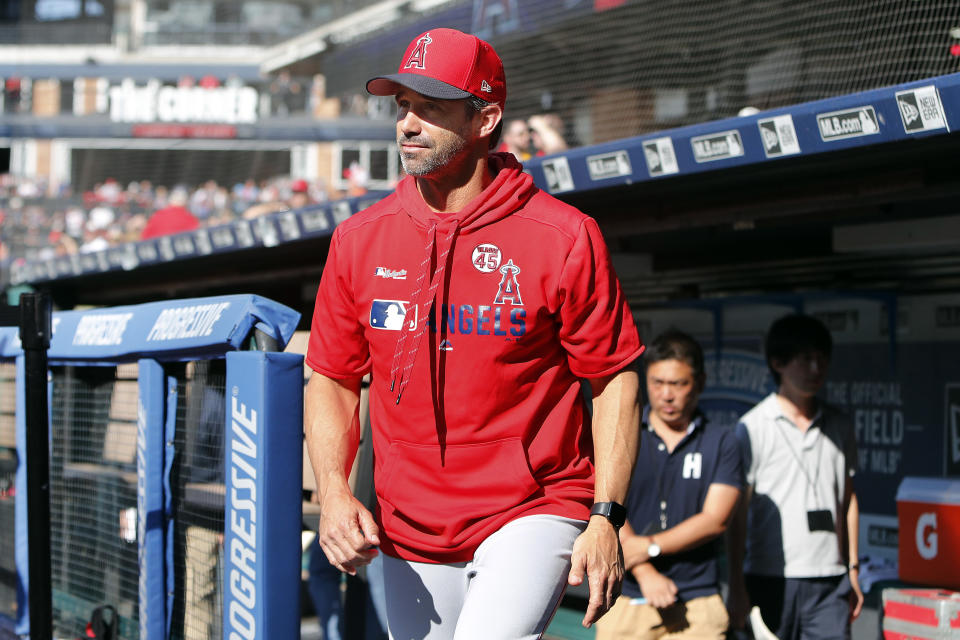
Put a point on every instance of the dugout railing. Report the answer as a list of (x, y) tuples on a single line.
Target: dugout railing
[(175, 478)]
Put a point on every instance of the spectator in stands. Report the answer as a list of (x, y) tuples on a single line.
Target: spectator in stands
[(357, 178), (97, 228), (174, 218), (287, 94), (101, 218), (203, 200), (221, 202), (63, 245), (57, 242), (133, 227), (245, 194), (29, 189), (161, 197), (75, 220), (145, 194), (271, 202), (683, 492), (546, 132), (299, 194), (793, 551), (221, 216), (95, 240), (516, 139), (109, 192)]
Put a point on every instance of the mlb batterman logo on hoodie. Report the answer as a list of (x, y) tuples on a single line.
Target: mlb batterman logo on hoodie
[(390, 315)]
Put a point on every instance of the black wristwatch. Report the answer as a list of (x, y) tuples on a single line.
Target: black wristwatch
[(612, 511)]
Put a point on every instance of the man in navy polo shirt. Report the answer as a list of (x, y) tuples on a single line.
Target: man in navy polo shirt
[(684, 490)]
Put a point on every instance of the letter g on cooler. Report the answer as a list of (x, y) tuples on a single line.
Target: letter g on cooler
[(926, 536)]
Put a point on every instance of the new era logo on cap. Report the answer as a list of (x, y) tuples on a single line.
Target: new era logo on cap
[(447, 64)]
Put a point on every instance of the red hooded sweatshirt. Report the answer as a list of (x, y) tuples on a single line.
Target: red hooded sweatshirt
[(477, 411)]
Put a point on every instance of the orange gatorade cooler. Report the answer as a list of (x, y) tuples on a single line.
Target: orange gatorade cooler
[(928, 511), (921, 614)]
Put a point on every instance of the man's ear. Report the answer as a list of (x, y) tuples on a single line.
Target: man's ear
[(490, 117), (777, 364)]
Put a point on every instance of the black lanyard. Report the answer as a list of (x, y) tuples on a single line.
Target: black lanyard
[(818, 424)]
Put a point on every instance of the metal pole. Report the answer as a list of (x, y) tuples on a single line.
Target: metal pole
[(35, 329)]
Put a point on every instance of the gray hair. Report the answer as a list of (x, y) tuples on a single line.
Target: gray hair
[(479, 104)]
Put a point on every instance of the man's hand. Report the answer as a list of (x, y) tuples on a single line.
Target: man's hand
[(596, 553), (347, 533), (856, 595), (659, 590)]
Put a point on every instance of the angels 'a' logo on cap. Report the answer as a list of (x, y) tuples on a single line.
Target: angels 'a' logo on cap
[(417, 59), (485, 86)]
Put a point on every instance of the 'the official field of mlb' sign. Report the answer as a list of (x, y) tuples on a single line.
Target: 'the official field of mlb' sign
[(921, 109), (614, 164), (848, 123), (717, 146), (779, 136), (660, 157)]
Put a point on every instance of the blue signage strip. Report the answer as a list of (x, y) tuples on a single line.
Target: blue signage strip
[(151, 503), (187, 329), (315, 221), (923, 108), (262, 515)]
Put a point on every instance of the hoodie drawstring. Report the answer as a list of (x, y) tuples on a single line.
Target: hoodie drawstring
[(510, 189), (404, 357)]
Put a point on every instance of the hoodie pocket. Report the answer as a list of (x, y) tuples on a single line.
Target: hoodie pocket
[(440, 499)]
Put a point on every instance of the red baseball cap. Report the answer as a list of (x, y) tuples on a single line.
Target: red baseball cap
[(447, 64)]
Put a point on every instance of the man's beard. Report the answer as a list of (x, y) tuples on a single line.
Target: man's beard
[(440, 154)]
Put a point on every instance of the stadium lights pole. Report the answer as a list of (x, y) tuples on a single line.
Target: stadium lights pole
[(35, 329)]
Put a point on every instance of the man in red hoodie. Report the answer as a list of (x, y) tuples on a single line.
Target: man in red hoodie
[(478, 303)]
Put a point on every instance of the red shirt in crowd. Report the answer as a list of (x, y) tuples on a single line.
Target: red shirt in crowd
[(169, 220)]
